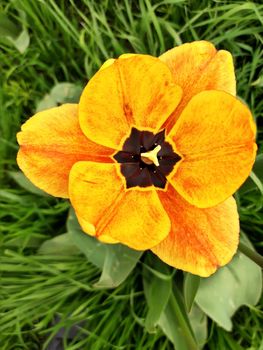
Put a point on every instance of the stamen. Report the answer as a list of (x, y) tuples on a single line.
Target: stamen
[(151, 156)]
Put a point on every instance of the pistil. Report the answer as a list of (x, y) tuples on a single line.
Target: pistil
[(151, 156)]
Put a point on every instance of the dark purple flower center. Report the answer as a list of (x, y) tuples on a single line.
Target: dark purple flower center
[(146, 159)]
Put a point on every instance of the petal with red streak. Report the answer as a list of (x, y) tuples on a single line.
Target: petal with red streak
[(105, 209), (215, 136), (196, 67), (50, 143), (201, 240), (134, 91)]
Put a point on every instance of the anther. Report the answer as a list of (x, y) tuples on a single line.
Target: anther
[(151, 156)]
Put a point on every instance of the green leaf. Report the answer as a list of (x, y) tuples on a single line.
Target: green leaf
[(47, 102), (248, 250), (166, 307), (66, 92), (198, 321), (255, 181), (176, 325), (191, 284), (118, 264), (14, 34), (157, 291), (59, 245), (23, 182), (258, 82), (7, 27), (94, 250), (60, 93), (115, 260), (238, 283), (21, 43)]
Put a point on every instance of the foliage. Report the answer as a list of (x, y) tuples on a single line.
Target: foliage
[(47, 43)]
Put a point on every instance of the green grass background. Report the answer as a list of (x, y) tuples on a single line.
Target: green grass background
[(69, 40)]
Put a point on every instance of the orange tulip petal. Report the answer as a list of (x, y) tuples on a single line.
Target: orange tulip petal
[(215, 136), (196, 67), (137, 90), (135, 218), (50, 143), (200, 240)]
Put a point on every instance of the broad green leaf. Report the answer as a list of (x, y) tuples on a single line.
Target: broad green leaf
[(176, 325), (198, 321), (23, 182), (91, 247), (191, 284), (256, 179), (22, 242), (167, 310), (59, 245), (60, 93), (166, 307), (115, 260), (66, 92), (47, 101), (157, 291), (238, 283), (7, 27), (14, 34), (118, 264), (21, 43)]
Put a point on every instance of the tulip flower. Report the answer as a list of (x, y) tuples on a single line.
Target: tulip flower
[(151, 155)]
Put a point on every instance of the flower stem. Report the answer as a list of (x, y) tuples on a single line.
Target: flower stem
[(251, 254)]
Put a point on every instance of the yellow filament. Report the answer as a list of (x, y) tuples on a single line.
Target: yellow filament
[(151, 156)]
